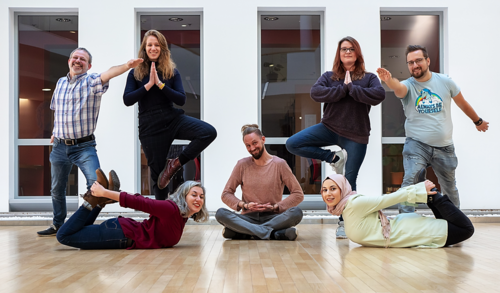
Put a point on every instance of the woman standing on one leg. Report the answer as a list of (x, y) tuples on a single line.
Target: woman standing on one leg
[(368, 226), (156, 85), (163, 228), (348, 92)]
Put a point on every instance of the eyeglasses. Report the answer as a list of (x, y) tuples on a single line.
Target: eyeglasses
[(417, 61), (345, 50)]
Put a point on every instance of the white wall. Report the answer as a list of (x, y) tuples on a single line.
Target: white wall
[(108, 30)]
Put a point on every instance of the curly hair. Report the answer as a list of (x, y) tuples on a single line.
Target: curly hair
[(179, 197), (164, 65)]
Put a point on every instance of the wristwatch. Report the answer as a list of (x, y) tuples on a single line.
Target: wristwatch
[(479, 122)]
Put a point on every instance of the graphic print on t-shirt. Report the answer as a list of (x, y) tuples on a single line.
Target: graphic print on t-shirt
[(428, 102)]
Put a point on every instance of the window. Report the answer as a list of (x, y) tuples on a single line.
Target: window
[(44, 43), (398, 30), (183, 34), (290, 63)]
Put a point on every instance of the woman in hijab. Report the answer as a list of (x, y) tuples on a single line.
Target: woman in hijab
[(366, 224)]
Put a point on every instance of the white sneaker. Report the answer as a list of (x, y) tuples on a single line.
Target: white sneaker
[(340, 233), (339, 166)]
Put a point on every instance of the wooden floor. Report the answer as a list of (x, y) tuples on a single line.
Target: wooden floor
[(204, 262)]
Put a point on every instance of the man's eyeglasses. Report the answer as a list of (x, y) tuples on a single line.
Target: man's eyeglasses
[(345, 50), (417, 61)]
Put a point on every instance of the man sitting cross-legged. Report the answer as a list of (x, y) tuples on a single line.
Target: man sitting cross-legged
[(265, 214)]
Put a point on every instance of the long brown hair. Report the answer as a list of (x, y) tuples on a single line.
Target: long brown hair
[(338, 67), (164, 65)]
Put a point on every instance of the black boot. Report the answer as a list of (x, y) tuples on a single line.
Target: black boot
[(420, 176)]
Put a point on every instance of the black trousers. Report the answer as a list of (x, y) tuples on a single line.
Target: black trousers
[(158, 129), (460, 227)]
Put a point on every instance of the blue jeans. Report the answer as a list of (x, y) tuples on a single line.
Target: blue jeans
[(308, 142), (62, 159), (418, 155), (80, 232)]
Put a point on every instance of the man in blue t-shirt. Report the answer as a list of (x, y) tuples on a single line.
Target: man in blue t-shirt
[(426, 98)]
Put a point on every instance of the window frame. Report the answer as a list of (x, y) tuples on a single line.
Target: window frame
[(137, 45), (311, 201), (16, 202)]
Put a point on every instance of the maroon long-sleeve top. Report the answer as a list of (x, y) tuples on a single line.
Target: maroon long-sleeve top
[(346, 107), (163, 228)]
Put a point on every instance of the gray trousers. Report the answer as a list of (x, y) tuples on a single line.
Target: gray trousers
[(259, 224)]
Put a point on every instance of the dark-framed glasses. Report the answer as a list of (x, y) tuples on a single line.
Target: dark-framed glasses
[(345, 50), (417, 61)]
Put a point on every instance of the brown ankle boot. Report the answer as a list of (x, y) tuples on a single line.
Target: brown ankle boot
[(172, 166), (101, 179)]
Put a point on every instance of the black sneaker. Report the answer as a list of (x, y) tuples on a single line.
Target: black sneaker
[(286, 234), (51, 231), (230, 234)]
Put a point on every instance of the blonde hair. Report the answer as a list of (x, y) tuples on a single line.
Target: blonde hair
[(251, 128), (164, 65)]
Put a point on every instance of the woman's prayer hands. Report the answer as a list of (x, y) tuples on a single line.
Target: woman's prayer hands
[(347, 79)]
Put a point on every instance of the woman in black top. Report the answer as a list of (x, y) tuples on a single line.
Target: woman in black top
[(348, 92), (156, 85)]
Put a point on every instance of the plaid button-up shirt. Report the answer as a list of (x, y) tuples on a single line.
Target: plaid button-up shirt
[(76, 102)]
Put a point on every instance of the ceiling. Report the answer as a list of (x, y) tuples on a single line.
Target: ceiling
[(162, 22), (290, 22), (48, 23)]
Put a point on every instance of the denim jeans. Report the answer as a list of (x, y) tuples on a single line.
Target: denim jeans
[(418, 155), (62, 159), (157, 131), (308, 142), (80, 232), (259, 224)]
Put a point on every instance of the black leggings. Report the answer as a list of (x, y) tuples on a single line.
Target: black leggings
[(460, 227), (157, 131)]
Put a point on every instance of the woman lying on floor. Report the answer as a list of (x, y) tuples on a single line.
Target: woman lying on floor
[(365, 223), (163, 228)]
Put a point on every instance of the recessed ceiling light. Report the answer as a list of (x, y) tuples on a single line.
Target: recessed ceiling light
[(46, 90), (72, 32), (184, 25), (61, 19), (393, 56), (271, 18), (385, 18), (177, 19)]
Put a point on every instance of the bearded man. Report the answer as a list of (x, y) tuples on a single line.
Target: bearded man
[(264, 212), (426, 98)]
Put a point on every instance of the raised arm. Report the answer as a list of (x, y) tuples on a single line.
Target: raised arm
[(322, 92), (372, 95), (119, 69), (158, 208), (412, 194), (400, 90), (469, 111)]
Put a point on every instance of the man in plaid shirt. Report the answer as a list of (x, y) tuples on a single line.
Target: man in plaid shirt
[(76, 102)]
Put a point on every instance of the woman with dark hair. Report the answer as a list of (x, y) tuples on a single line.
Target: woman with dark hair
[(348, 92), (367, 225), (156, 85), (162, 229)]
